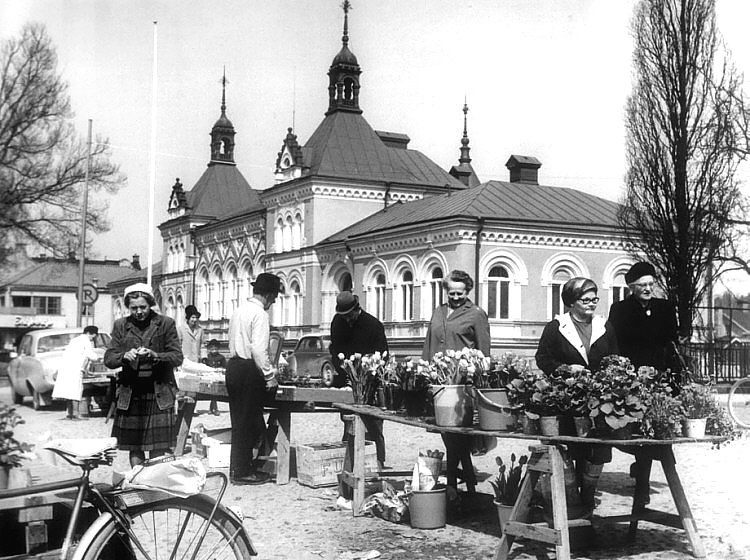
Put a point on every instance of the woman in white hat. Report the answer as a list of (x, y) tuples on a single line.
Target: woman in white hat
[(146, 346)]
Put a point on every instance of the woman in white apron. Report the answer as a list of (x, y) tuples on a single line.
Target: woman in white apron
[(69, 382)]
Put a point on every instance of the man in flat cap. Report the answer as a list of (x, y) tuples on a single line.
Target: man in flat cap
[(249, 373), (353, 330), (646, 330)]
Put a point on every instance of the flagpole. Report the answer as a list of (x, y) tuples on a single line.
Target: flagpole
[(82, 250), (152, 179)]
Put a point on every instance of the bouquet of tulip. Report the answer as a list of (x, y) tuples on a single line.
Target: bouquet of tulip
[(458, 367), (507, 486), (408, 375), (503, 369), (364, 373)]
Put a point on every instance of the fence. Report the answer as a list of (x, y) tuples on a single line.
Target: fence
[(723, 362)]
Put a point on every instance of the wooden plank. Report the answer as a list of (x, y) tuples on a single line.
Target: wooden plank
[(314, 394), (184, 419), (559, 503), (283, 445), (681, 502), (535, 531), (359, 465), (650, 515)]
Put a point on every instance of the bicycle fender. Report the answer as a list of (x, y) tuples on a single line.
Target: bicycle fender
[(90, 534)]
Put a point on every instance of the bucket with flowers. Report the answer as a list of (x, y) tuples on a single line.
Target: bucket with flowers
[(451, 372), (408, 383), (364, 373), (493, 405)]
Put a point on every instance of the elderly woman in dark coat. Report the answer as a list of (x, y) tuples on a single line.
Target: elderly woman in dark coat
[(579, 338), (146, 346)]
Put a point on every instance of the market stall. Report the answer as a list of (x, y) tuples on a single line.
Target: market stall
[(546, 458), (206, 385)]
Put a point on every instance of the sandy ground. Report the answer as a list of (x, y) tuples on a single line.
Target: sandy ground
[(297, 522)]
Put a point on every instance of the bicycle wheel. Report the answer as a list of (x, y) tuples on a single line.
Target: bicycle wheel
[(172, 529), (739, 402)]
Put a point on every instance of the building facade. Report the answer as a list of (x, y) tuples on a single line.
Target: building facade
[(357, 208)]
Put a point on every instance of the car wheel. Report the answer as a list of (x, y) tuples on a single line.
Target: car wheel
[(17, 398), (36, 399), (327, 373)]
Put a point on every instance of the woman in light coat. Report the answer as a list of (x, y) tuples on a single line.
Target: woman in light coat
[(75, 358)]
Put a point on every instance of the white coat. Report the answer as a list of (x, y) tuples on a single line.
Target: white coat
[(69, 382)]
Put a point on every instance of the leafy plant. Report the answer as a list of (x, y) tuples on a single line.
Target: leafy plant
[(697, 401), (574, 385), (507, 486), (409, 376), (526, 391), (618, 393), (663, 417), (11, 450)]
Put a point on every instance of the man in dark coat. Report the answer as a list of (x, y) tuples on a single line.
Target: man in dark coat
[(353, 330), (646, 330)]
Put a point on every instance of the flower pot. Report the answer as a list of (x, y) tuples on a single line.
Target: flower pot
[(503, 514), (453, 406), (582, 425), (427, 508), (694, 427), (626, 432), (530, 425), (494, 411), (415, 402), (550, 425)]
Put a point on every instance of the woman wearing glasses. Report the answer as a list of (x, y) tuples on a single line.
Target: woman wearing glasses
[(580, 338)]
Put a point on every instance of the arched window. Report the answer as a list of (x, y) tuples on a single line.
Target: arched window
[(560, 276), (345, 282), (181, 257), (204, 295), (437, 296), (170, 311), (217, 295), (294, 307), (406, 296), (287, 231), (234, 289), (379, 289), (278, 236), (179, 310), (498, 293), (247, 279), (620, 288), (297, 231)]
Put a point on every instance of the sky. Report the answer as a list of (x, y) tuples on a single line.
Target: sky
[(543, 78)]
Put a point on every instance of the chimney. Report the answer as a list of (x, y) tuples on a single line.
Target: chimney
[(136, 263), (523, 169)]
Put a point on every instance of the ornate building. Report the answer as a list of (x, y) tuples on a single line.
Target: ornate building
[(357, 208)]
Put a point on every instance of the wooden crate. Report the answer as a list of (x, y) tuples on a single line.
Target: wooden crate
[(318, 464)]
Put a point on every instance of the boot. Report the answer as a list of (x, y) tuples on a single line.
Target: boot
[(589, 483)]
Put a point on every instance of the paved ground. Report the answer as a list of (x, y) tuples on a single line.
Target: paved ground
[(296, 522)]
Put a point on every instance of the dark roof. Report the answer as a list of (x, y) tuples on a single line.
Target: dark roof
[(137, 276), (494, 200), (63, 274), (221, 190), (345, 145)]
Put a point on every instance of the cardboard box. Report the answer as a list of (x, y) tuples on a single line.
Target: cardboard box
[(318, 464), (217, 453), (198, 434)]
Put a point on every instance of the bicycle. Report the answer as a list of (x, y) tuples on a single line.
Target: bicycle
[(738, 402), (137, 524)]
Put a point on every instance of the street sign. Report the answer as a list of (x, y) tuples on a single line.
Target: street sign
[(89, 294)]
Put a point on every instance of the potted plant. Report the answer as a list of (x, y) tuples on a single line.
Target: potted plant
[(11, 450), (407, 382), (617, 401), (575, 383), (698, 403), (507, 485), (663, 416), (550, 401), (521, 391), (451, 371), (492, 402)]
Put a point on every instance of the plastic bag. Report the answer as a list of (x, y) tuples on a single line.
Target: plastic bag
[(388, 504), (181, 477)]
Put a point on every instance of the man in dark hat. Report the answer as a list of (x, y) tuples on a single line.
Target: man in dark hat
[(353, 330), (646, 330), (249, 374)]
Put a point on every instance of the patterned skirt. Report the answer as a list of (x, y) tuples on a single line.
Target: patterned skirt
[(144, 426)]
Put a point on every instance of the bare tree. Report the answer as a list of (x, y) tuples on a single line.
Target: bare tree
[(686, 122), (42, 158)]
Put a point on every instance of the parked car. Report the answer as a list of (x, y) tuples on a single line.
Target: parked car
[(311, 358), (33, 371)]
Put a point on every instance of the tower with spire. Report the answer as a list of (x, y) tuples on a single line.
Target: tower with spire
[(222, 133), (343, 75), (464, 172)]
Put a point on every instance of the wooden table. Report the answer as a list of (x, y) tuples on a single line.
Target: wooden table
[(288, 399), (547, 458)]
